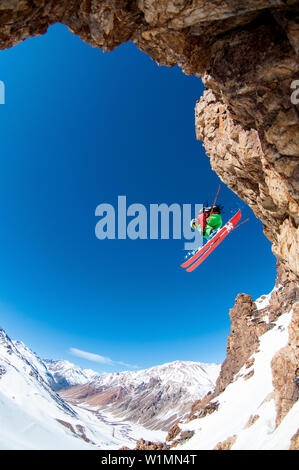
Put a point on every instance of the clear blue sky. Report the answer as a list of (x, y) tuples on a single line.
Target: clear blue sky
[(79, 128)]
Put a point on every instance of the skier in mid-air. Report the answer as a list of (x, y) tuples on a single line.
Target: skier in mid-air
[(208, 221)]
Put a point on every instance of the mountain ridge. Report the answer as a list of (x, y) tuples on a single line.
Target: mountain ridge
[(166, 391), (154, 397)]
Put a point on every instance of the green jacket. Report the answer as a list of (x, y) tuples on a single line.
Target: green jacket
[(214, 222)]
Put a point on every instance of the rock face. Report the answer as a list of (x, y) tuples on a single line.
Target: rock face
[(255, 403), (262, 177), (148, 445), (226, 445), (285, 371), (249, 321), (243, 339), (248, 325)]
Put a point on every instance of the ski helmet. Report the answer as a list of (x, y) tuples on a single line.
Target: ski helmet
[(193, 224)]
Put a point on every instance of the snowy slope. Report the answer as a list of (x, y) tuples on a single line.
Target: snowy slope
[(35, 361), (32, 416), (246, 410)]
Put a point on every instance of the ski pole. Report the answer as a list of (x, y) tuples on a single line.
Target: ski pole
[(215, 201), (240, 224)]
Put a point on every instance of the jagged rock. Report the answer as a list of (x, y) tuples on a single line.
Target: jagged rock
[(200, 409), (242, 341), (285, 368), (252, 420), (148, 445), (173, 432), (199, 405), (286, 295), (249, 363), (183, 437), (295, 441), (227, 444), (238, 157), (250, 374), (78, 430)]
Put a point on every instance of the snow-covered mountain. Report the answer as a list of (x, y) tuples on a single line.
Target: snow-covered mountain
[(65, 374), (154, 397), (250, 404), (33, 359), (192, 375), (33, 416)]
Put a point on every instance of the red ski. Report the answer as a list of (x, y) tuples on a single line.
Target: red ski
[(209, 251), (209, 246)]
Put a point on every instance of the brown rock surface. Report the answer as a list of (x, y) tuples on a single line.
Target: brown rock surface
[(89, 394), (237, 155), (285, 370), (243, 341), (201, 408), (199, 405), (142, 444), (227, 444), (183, 437), (247, 325), (252, 420), (149, 445), (295, 441), (173, 432)]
